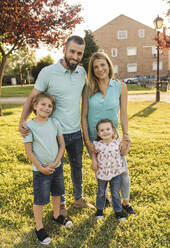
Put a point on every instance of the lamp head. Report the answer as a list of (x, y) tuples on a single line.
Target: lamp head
[(158, 22)]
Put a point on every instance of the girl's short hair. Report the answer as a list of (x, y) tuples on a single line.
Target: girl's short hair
[(105, 121), (40, 96)]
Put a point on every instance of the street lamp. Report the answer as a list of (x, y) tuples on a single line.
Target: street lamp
[(158, 23)]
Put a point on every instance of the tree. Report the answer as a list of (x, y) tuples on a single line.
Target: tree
[(42, 63), (26, 23), (20, 62), (90, 48)]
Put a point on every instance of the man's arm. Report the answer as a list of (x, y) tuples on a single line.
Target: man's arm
[(26, 112)]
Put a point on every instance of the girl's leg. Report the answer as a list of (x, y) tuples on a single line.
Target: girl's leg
[(115, 192), (56, 206), (100, 199), (38, 212)]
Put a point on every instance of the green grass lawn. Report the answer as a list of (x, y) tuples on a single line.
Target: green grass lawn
[(148, 162), (16, 91), (25, 90)]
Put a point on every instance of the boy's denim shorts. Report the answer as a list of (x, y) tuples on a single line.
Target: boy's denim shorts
[(44, 184)]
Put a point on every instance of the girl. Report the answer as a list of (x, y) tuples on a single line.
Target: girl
[(44, 146), (108, 165)]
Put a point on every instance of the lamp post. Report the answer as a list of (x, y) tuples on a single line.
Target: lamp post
[(158, 22)]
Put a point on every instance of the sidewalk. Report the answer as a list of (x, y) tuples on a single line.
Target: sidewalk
[(164, 97)]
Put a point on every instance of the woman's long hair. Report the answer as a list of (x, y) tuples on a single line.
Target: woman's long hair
[(92, 79)]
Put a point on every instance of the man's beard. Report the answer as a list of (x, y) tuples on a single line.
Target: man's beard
[(72, 67)]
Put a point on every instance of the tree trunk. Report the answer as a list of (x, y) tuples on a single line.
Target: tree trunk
[(2, 68)]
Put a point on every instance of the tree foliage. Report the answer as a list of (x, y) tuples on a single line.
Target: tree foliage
[(29, 22), (90, 48), (45, 61)]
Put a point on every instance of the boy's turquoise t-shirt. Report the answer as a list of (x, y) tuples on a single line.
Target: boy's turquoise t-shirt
[(66, 87), (104, 108), (43, 137)]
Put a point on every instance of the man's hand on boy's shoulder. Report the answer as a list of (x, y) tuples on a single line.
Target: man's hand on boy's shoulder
[(23, 129)]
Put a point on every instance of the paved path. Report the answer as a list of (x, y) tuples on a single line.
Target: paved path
[(165, 97)]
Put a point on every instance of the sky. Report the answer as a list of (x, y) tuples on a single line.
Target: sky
[(96, 13)]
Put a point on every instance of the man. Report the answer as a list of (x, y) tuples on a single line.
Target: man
[(65, 81)]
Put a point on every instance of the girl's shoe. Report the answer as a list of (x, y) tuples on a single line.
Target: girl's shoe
[(62, 220), (120, 216), (99, 214), (129, 209), (42, 236)]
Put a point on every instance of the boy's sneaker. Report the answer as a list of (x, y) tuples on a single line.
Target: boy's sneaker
[(62, 220), (83, 203), (63, 210), (129, 209), (42, 236), (99, 214), (120, 216)]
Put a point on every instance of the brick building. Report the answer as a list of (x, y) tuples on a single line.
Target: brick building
[(131, 47)]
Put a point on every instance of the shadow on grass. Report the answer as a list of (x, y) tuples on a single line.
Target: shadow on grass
[(145, 112), (76, 236)]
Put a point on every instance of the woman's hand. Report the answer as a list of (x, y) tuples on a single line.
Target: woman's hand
[(94, 165), (90, 147), (125, 145)]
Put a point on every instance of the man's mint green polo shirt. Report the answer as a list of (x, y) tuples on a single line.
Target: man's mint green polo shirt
[(66, 87)]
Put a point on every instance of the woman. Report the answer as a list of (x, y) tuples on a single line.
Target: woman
[(102, 100)]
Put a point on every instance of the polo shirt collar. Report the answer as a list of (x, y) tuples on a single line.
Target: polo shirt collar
[(62, 68)]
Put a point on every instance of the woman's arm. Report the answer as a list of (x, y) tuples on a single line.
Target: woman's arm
[(124, 146), (84, 114), (28, 149)]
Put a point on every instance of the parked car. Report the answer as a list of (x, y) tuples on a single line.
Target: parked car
[(135, 79), (165, 78), (130, 80)]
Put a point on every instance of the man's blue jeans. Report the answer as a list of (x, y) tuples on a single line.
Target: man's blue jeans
[(115, 193), (74, 147)]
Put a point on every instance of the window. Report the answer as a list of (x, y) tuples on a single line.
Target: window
[(122, 35), (131, 51), (132, 67), (115, 69), (114, 52), (141, 33), (154, 66)]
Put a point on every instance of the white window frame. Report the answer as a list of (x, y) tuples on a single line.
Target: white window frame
[(141, 33), (122, 34), (154, 65), (130, 51), (115, 69), (114, 52), (132, 65)]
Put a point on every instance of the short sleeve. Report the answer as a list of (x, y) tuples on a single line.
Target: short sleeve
[(58, 126), (41, 83), (28, 138), (95, 143)]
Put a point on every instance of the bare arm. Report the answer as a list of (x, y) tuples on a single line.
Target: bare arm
[(26, 112), (28, 149), (124, 146), (84, 114), (94, 165), (61, 150)]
